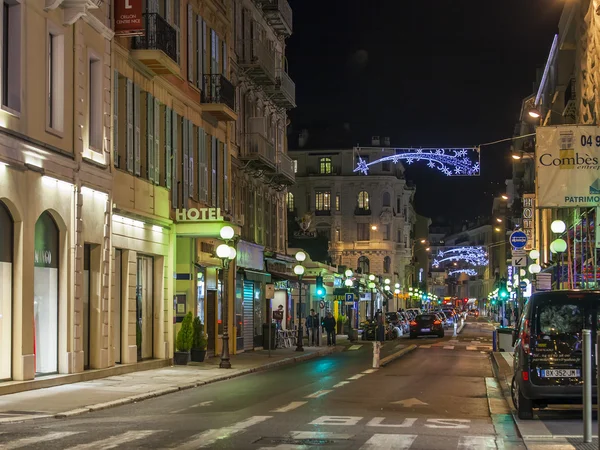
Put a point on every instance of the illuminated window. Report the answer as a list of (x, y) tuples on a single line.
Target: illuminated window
[(363, 264), (337, 202), (295, 165), (324, 165), (363, 200), (290, 201), (387, 264), (323, 201)]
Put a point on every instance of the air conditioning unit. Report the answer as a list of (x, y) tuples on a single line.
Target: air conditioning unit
[(257, 125)]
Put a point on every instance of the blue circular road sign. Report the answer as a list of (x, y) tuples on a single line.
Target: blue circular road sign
[(518, 239), (523, 285)]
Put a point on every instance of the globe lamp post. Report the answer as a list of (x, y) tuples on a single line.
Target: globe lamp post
[(226, 254), (299, 271)]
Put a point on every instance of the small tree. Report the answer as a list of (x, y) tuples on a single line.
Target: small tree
[(185, 336), (199, 340)]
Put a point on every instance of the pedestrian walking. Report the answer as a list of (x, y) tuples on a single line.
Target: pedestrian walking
[(380, 320), (312, 323), (329, 324)]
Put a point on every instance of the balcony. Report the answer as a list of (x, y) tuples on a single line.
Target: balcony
[(258, 152), (570, 100), (279, 16), (218, 98), (283, 92), (285, 170), (362, 211), (323, 212), (157, 49), (258, 62)]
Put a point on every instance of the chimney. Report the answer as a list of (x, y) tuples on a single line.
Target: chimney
[(386, 141), (375, 140)]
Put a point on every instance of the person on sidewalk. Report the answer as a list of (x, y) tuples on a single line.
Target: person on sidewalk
[(329, 324), (312, 323)]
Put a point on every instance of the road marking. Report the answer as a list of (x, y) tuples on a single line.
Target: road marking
[(318, 394), (476, 443), (447, 423), (399, 345), (290, 407), (356, 377), (354, 347), (209, 437), (36, 439), (554, 446), (347, 421), (407, 403), (115, 441), (389, 442), (471, 347), (369, 371), (475, 342), (319, 435), (449, 347), (341, 383), (425, 346), (378, 422), (193, 406)]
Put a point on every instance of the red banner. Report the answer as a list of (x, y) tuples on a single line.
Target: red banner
[(128, 17)]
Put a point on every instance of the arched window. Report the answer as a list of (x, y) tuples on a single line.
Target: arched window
[(324, 165), (290, 202), (363, 264), (387, 264), (386, 199), (6, 300), (363, 200)]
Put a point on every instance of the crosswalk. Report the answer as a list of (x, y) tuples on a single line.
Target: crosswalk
[(482, 345)]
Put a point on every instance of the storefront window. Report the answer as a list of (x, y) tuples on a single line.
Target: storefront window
[(144, 307), (6, 259), (239, 314), (45, 295), (200, 286), (258, 314)]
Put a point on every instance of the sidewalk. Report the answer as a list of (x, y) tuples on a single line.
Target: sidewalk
[(78, 398)]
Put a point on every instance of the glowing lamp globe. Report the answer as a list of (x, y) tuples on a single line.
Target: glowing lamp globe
[(387, 281), (348, 282), (386, 288), (348, 273), (299, 269), (371, 285), (371, 277), (559, 245), (535, 268), (397, 285), (534, 254), (558, 226), (232, 253), (522, 272), (223, 251), (300, 256), (226, 233), (396, 291)]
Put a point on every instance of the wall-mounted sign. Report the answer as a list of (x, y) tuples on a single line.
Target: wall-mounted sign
[(250, 256), (128, 17), (198, 215), (529, 219)]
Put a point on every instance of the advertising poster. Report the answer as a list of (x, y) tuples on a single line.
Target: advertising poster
[(568, 166)]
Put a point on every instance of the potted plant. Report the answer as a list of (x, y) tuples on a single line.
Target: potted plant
[(184, 341), (198, 341)]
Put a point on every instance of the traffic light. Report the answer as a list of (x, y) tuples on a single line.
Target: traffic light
[(320, 290), (503, 291)]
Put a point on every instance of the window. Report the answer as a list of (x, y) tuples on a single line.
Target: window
[(387, 264), (11, 55), (337, 202), (385, 166), (323, 201), (290, 202), (295, 161), (202, 166), (363, 265), (56, 81), (95, 119), (398, 204), (324, 165), (386, 232), (338, 236), (363, 200), (324, 230), (386, 199), (362, 231)]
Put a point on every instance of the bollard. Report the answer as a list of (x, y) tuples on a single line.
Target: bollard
[(495, 340), (587, 386), (455, 325), (376, 350)]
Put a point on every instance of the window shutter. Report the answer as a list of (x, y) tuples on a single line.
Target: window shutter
[(156, 141), (205, 63), (129, 108), (202, 167), (168, 11), (168, 146), (185, 162), (224, 64), (199, 44), (174, 166), (213, 162), (225, 179), (136, 118), (190, 45), (191, 159), (150, 135), (115, 123)]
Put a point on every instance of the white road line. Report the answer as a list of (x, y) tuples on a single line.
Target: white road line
[(369, 371), (193, 406), (340, 384), (319, 393), (115, 441), (19, 443), (319, 435), (424, 346), (209, 437), (476, 443), (290, 407), (449, 347), (356, 377), (354, 347), (470, 347), (389, 442), (554, 446)]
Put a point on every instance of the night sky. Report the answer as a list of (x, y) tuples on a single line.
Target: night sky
[(425, 73)]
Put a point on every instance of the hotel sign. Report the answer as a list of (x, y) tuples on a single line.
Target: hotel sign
[(529, 219), (198, 215)]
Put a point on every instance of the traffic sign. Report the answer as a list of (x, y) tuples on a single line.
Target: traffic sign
[(350, 297), (322, 304), (519, 252), (518, 239), (519, 261), (523, 285)]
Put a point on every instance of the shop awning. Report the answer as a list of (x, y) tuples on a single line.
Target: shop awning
[(254, 275)]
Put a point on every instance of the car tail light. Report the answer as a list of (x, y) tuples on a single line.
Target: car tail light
[(437, 322), (525, 335), (413, 323), (525, 375)]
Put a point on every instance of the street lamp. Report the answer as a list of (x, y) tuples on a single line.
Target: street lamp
[(226, 254), (299, 270), (558, 226)]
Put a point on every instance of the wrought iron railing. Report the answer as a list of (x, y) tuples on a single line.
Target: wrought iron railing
[(257, 145), (285, 165), (218, 89), (283, 7), (159, 35), (570, 92)]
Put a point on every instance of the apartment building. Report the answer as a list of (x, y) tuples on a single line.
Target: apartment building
[(55, 187)]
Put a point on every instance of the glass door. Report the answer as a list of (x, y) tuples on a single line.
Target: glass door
[(144, 308), (116, 308)]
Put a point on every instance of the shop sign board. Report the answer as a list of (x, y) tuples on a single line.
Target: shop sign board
[(250, 256), (568, 166), (128, 18), (529, 219), (198, 215)]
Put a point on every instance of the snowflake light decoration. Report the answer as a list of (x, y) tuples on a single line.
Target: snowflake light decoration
[(469, 272), (449, 161), (475, 256)]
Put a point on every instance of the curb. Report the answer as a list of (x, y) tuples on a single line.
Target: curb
[(170, 390), (395, 356)]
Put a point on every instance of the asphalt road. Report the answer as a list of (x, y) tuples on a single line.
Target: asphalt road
[(436, 397)]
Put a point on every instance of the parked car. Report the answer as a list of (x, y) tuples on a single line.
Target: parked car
[(548, 349), (426, 325)]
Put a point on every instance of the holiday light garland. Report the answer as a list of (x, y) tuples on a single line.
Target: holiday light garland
[(470, 272), (449, 161), (475, 256)]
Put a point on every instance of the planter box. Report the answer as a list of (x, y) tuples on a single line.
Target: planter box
[(198, 355), (181, 358)]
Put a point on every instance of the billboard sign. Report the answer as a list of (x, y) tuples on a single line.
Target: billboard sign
[(128, 18)]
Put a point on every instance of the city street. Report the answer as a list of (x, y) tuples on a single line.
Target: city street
[(440, 396)]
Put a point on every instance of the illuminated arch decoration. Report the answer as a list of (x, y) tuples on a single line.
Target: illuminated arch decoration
[(449, 161), (469, 272), (475, 256)]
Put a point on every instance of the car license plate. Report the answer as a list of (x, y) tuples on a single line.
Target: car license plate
[(425, 330), (561, 373)]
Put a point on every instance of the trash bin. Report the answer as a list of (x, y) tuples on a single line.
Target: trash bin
[(265, 339), (505, 339)]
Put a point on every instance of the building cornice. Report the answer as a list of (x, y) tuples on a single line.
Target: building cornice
[(97, 25)]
